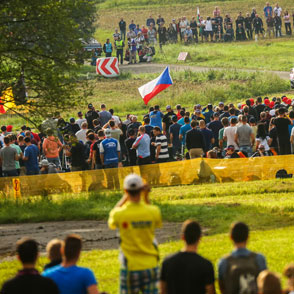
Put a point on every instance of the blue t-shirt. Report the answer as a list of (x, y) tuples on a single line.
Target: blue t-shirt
[(222, 266), (110, 147), (175, 130), (156, 119), (183, 130), (143, 146), (32, 153), (181, 121), (268, 10), (71, 280), (208, 115)]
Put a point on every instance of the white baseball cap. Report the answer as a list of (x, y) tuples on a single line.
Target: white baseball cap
[(107, 133), (133, 182)]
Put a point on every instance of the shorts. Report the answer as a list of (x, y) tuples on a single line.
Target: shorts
[(135, 282), (258, 30), (209, 33)]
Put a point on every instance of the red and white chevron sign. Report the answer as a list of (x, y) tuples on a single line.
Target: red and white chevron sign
[(107, 67)]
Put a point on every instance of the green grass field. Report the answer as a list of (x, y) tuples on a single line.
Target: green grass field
[(267, 206)]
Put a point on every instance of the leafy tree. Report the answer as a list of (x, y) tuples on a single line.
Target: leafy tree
[(40, 53)]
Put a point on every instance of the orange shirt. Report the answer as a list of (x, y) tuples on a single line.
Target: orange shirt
[(51, 147)]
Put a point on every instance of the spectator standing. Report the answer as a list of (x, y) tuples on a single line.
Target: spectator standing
[(142, 145), (244, 137), (187, 272), (132, 156), (13, 144), (215, 126), (28, 279), (69, 277), (109, 151), (278, 25), (258, 26), (152, 35), (82, 133), (242, 265), (282, 122), (8, 156), (207, 114), (278, 10), (104, 115), (195, 142), (115, 131), (183, 131), (119, 46), (107, 48), (230, 132), (166, 120), (248, 26), (51, 148), (132, 26), (174, 132), (31, 157), (90, 116), (208, 29), (123, 27), (150, 21), (73, 126), (96, 162), (193, 26), (269, 283), (156, 117), (80, 119), (160, 20), (262, 139), (207, 135), (137, 220), (287, 22), (161, 154), (221, 142), (268, 10), (270, 26), (133, 51)]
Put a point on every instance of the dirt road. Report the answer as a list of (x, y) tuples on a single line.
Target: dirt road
[(157, 68), (95, 234)]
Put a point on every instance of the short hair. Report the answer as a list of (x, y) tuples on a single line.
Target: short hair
[(225, 121), (100, 133), (239, 232), (6, 140), (20, 138), (91, 136), (268, 283), (156, 107), (209, 106), (49, 132), (182, 113), (111, 111), (103, 105), (72, 247), (232, 111), (3, 128), (259, 99), (131, 132), (112, 123), (157, 129), (233, 120), (244, 118), (147, 120), (281, 110), (27, 139), (193, 123), (142, 129), (96, 122), (191, 231), (27, 250), (186, 119), (289, 271), (226, 108), (53, 249), (291, 114), (84, 125), (263, 115), (178, 107)]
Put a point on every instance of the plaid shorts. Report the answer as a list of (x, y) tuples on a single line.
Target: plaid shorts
[(143, 282)]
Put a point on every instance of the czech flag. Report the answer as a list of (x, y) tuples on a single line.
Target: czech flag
[(151, 89)]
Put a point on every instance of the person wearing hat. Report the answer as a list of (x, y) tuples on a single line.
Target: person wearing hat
[(136, 219), (231, 153), (91, 115), (166, 120), (47, 168)]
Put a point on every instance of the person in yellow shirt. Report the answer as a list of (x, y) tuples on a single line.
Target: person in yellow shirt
[(136, 219)]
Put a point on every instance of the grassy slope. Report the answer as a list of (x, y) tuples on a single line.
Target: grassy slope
[(266, 54), (266, 206)]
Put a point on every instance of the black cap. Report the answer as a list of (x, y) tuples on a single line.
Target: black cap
[(90, 105)]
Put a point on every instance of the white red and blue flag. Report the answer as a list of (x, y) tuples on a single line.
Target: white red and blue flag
[(151, 89)]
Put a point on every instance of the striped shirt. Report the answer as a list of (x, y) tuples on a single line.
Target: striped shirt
[(162, 141)]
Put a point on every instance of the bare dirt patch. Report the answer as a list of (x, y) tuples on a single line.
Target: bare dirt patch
[(95, 234)]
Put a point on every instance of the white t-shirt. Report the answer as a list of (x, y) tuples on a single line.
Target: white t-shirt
[(183, 25), (264, 142), (2, 138), (208, 26), (81, 135), (230, 133), (116, 119), (278, 11), (80, 121)]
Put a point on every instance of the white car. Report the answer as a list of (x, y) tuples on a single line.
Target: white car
[(292, 78)]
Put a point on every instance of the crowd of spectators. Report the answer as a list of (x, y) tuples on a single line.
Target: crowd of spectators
[(140, 40), (184, 272), (102, 140)]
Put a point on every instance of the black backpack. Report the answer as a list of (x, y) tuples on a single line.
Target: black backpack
[(241, 274)]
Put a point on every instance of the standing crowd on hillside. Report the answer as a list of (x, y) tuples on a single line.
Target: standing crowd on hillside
[(184, 272), (102, 140), (134, 42)]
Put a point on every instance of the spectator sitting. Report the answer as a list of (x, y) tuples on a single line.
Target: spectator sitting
[(231, 153), (28, 279), (47, 168), (229, 35), (53, 249), (69, 277), (186, 271), (188, 35)]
